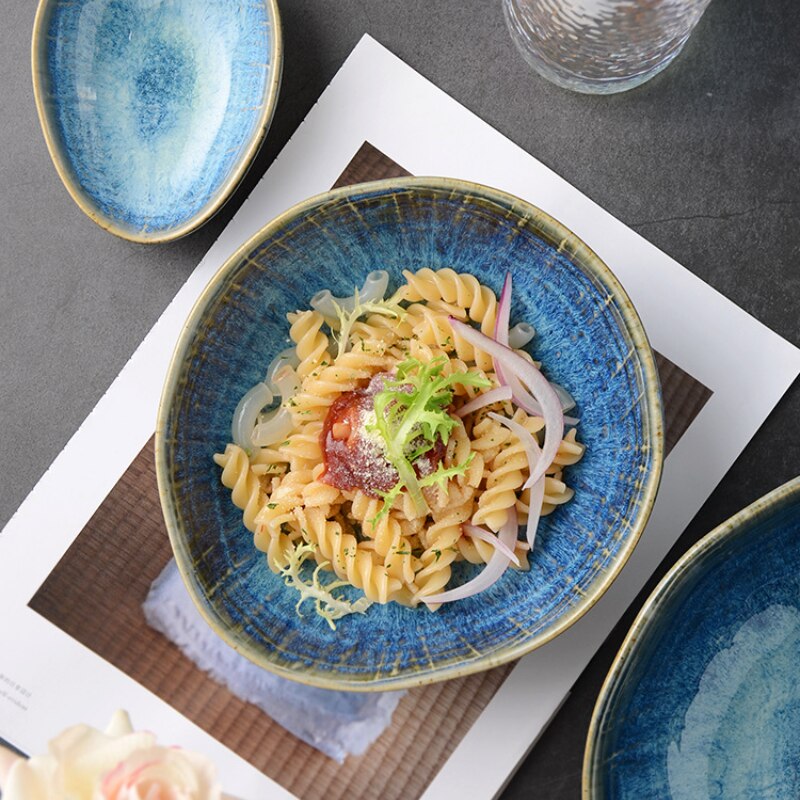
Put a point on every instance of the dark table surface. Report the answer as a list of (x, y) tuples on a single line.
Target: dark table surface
[(704, 161)]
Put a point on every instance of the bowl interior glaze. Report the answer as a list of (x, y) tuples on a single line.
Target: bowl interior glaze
[(152, 112), (703, 699), (589, 340)]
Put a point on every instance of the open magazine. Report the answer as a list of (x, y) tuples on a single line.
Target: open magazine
[(72, 584)]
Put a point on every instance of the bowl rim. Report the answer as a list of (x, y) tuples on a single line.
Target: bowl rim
[(226, 189), (758, 511), (586, 259)]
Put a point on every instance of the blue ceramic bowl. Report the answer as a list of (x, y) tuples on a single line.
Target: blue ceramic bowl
[(153, 112), (703, 699), (589, 339)]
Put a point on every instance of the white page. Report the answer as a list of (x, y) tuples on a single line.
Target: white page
[(376, 98)]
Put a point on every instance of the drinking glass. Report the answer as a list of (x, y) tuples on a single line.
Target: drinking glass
[(601, 46)]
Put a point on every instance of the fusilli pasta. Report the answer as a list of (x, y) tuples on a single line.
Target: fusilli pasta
[(390, 525)]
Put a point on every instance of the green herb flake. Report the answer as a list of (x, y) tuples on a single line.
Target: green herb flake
[(386, 308), (326, 604), (414, 407)]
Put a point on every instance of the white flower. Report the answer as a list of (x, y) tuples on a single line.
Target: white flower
[(120, 764)]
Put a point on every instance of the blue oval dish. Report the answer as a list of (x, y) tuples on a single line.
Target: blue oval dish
[(590, 339), (153, 111), (703, 700)]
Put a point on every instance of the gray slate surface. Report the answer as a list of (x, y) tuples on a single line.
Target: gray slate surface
[(704, 161)]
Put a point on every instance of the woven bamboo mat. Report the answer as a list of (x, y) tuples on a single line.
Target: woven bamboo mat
[(96, 591)]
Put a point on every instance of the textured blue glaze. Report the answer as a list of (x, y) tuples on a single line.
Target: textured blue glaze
[(583, 344), (152, 106), (707, 702)]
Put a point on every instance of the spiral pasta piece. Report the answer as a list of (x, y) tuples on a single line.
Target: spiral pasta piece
[(317, 493), (508, 472), (476, 551), (433, 328), (463, 290), (355, 565), (311, 343), (303, 447), (246, 491), (329, 381), (488, 437), (570, 452), (441, 540)]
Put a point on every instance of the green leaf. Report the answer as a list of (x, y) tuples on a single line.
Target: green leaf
[(326, 604), (443, 474), (386, 308), (411, 416)]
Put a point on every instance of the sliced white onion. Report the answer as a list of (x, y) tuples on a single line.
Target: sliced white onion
[(250, 426), (490, 574), (274, 426), (534, 453), (374, 288), (246, 414), (534, 511), (286, 383), (530, 377), (287, 357), (477, 532), (485, 399), (520, 335)]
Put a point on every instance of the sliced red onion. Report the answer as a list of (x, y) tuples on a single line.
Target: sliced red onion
[(520, 395), (490, 574), (542, 392), (486, 399), (515, 338), (528, 403), (477, 532), (502, 318), (520, 335), (534, 454), (534, 511), (503, 313)]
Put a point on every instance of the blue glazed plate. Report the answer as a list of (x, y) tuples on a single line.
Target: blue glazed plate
[(589, 339), (703, 699), (153, 111)]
